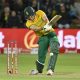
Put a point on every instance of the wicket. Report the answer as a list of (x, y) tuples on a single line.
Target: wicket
[(12, 57)]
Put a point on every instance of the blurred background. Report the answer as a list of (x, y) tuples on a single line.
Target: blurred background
[(67, 28), (11, 12)]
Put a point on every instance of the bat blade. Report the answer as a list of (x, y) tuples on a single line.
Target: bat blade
[(54, 19)]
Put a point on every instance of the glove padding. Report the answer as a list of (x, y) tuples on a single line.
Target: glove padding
[(47, 27)]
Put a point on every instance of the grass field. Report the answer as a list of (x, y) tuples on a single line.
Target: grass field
[(67, 68)]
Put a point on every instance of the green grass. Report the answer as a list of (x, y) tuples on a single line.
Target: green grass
[(67, 68)]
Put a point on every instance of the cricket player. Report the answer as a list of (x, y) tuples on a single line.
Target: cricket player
[(37, 21)]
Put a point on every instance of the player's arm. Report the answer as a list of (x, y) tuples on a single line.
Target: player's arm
[(35, 28), (48, 26), (45, 19)]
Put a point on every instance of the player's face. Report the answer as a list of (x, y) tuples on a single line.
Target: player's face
[(32, 17)]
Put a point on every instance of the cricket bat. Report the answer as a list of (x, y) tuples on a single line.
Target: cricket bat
[(54, 19)]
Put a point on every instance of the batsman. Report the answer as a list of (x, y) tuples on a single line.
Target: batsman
[(39, 23)]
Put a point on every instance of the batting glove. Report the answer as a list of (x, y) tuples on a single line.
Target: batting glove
[(47, 27)]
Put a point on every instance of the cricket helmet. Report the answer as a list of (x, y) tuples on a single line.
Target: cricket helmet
[(28, 11)]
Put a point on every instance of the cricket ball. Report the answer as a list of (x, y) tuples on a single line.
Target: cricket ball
[(51, 54)]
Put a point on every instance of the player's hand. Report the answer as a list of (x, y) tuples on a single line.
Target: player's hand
[(47, 27)]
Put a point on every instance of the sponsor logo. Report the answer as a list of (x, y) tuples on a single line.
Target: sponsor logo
[(29, 40), (69, 41), (65, 40), (1, 40)]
